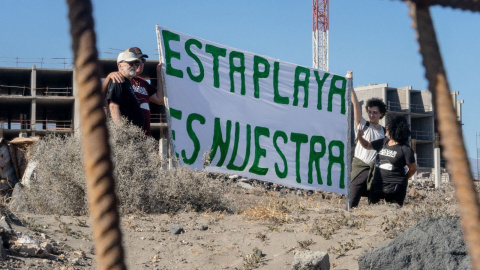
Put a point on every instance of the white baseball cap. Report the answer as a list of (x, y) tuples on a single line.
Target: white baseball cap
[(127, 57)]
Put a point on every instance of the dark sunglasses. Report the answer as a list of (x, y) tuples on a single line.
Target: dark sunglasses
[(134, 63)]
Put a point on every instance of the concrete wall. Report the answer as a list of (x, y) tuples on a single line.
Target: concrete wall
[(421, 102), (422, 129), (424, 153)]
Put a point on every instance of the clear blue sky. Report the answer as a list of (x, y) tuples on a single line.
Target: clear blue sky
[(373, 38)]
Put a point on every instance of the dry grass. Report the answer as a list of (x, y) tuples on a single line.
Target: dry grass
[(333, 219), (343, 248), (142, 183), (272, 210)]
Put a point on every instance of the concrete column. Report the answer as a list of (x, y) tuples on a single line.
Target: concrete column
[(163, 148), (408, 94), (454, 98), (459, 111), (437, 168), (33, 107), (76, 105)]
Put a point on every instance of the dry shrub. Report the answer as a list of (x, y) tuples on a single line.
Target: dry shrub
[(59, 187), (142, 182)]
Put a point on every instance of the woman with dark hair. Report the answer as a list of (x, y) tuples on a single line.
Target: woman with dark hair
[(393, 154)]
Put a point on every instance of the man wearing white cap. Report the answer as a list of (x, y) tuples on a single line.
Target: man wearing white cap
[(144, 91), (121, 98)]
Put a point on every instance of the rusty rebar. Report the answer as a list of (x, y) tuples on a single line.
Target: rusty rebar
[(471, 5), (96, 150), (450, 130)]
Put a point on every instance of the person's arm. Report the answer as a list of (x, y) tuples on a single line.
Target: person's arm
[(410, 160), (357, 109), (364, 143), (158, 97), (114, 111), (116, 77), (412, 168)]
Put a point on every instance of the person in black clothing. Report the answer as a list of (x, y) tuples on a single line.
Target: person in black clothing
[(394, 154), (121, 98)]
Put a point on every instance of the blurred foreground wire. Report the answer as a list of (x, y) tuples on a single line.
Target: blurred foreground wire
[(96, 150), (449, 128)]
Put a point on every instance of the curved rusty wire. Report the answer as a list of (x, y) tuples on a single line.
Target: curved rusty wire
[(450, 130), (96, 150), (471, 5)]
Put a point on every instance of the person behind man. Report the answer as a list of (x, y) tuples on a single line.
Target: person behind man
[(363, 164), (144, 91), (391, 180), (121, 99)]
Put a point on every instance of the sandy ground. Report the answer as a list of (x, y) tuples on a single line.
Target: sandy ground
[(219, 240)]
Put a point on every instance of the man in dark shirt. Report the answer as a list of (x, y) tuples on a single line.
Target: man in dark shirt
[(144, 91), (121, 98)]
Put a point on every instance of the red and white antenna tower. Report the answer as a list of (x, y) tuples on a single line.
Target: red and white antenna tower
[(320, 34)]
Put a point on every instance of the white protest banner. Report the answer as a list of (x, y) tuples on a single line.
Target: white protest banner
[(255, 116)]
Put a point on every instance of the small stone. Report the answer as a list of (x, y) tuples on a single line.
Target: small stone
[(17, 203), (74, 261), (4, 223), (311, 260), (32, 250), (80, 253), (176, 229), (47, 246), (245, 185)]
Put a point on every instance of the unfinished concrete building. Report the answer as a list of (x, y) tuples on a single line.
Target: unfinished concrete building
[(416, 106), (37, 101)]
